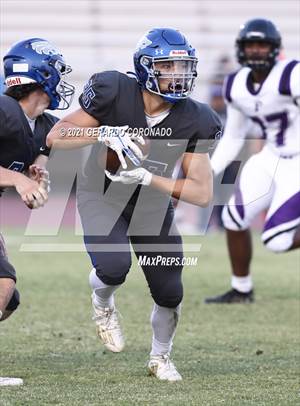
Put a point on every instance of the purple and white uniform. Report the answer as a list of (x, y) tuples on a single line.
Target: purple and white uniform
[(270, 180)]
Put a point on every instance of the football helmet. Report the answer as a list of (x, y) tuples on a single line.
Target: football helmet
[(165, 64), (258, 30), (35, 60)]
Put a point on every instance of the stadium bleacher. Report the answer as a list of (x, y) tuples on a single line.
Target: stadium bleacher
[(98, 35)]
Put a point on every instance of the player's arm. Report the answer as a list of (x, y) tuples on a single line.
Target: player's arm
[(196, 187), (30, 191), (232, 141), (73, 131)]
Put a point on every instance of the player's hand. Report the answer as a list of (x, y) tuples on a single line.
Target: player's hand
[(32, 193), (139, 175), (119, 140), (40, 175)]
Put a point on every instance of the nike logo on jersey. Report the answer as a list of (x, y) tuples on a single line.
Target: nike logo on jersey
[(173, 145), (42, 149)]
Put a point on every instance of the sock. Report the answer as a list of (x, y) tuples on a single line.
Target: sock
[(242, 283), (164, 321), (102, 294)]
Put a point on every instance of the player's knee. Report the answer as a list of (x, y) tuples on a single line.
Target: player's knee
[(231, 220), (14, 301), (115, 272), (280, 243), (169, 296), (6, 269)]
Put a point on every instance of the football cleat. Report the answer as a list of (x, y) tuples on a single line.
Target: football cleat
[(5, 381), (232, 296), (163, 368), (108, 328)]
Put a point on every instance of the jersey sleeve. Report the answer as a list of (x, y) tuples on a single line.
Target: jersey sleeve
[(232, 141), (209, 130), (98, 95), (3, 121)]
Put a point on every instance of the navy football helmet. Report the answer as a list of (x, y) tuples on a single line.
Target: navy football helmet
[(165, 64), (258, 30), (35, 60)]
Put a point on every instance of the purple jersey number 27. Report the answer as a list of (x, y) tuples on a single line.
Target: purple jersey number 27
[(283, 124)]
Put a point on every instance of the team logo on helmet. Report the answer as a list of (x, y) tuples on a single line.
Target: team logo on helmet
[(144, 42), (44, 47)]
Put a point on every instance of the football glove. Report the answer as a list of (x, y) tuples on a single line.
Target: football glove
[(139, 175), (119, 140)]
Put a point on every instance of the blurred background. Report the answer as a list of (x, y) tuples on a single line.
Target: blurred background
[(97, 35)]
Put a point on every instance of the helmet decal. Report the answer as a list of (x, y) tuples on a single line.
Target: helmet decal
[(144, 42), (44, 47)]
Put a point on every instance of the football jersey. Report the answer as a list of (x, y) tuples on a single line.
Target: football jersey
[(115, 99), (19, 146), (272, 104)]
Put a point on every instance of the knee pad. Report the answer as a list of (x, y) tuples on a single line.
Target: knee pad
[(280, 243), (14, 301), (168, 296), (113, 276)]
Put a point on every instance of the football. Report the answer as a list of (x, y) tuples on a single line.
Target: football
[(108, 159)]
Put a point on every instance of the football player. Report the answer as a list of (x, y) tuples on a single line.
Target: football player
[(267, 91), (134, 206), (34, 76)]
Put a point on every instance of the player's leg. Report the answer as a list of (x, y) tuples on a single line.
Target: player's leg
[(164, 280), (9, 299), (282, 225), (9, 296), (110, 267), (296, 239), (253, 194)]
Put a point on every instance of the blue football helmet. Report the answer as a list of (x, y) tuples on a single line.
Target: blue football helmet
[(165, 64), (35, 60)]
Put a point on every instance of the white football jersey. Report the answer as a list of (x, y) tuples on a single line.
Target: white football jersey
[(272, 105)]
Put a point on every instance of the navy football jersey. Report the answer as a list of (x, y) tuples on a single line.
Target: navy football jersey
[(115, 99), (19, 146)]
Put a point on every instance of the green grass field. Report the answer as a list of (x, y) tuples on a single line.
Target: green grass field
[(230, 355)]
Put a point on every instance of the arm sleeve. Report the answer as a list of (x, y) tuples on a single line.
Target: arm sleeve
[(232, 141), (98, 95), (295, 83), (210, 130)]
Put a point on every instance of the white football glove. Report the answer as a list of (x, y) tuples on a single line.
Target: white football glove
[(139, 175), (119, 140)]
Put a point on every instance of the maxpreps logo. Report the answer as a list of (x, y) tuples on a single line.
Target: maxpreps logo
[(44, 47)]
